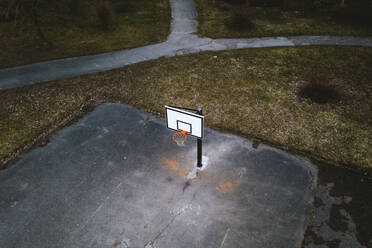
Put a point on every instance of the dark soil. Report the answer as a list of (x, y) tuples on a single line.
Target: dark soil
[(319, 92)]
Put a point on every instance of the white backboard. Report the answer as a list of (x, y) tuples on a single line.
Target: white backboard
[(181, 120)]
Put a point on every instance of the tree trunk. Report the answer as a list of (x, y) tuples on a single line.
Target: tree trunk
[(35, 19)]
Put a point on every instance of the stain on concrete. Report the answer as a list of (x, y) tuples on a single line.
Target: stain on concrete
[(187, 184), (144, 121), (256, 144), (230, 182), (201, 175), (175, 166), (116, 243), (122, 242), (44, 142), (226, 186)]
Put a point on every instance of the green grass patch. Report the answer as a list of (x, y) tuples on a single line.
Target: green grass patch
[(76, 28), (265, 94), (219, 19)]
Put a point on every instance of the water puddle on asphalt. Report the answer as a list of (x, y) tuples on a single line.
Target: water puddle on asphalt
[(342, 213)]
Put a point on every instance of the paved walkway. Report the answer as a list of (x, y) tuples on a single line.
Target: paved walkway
[(180, 41), (115, 179)]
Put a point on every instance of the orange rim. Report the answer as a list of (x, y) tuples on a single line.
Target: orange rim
[(184, 133)]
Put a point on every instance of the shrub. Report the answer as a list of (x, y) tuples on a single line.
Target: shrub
[(124, 6), (267, 3), (241, 20), (356, 12), (9, 10), (237, 2), (105, 15)]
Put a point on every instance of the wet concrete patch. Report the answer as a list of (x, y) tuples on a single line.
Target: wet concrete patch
[(116, 179), (342, 214)]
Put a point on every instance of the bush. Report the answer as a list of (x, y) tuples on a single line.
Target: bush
[(324, 6), (105, 15), (124, 6), (241, 20), (9, 10), (3, 14), (78, 8), (267, 3), (356, 12), (237, 2)]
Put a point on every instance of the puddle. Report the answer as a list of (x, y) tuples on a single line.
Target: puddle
[(342, 214)]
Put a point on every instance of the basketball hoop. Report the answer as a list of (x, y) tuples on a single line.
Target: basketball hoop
[(184, 122), (179, 137)]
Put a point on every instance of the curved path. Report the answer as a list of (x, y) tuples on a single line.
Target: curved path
[(180, 41)]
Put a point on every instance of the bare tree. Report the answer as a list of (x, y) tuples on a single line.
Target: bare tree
[(33, 8), (9, 10), (12, 9)]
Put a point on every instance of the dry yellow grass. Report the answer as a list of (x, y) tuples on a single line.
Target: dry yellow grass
[(136, 23), (252, 93)]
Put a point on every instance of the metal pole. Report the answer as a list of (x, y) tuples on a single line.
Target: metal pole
[(200, 144), (200, 153)]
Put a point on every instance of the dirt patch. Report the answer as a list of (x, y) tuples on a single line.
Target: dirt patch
[(318, 92)]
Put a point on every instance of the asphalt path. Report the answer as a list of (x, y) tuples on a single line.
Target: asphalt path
[(181, 40)]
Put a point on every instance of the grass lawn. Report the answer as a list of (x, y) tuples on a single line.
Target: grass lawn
[(219, 19), (314, 101), (133, 24)]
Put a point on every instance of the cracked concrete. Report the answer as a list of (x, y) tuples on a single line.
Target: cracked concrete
[(182, 40), (110, 181)]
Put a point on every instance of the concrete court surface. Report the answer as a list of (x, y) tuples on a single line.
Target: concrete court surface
[(116, 179)]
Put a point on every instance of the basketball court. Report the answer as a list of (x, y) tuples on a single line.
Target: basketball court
[(116, 178)]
